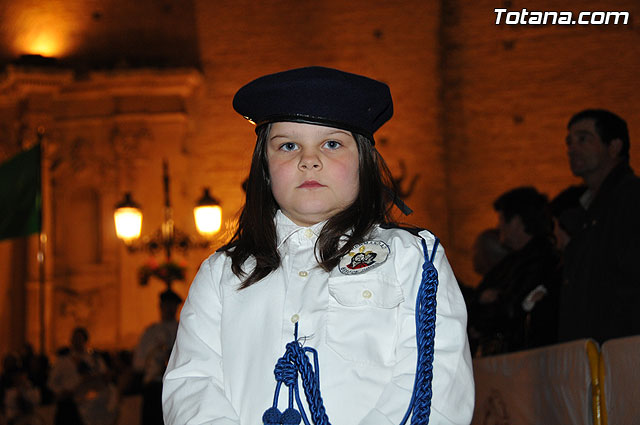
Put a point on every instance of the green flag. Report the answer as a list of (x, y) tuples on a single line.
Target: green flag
[(20, 194)]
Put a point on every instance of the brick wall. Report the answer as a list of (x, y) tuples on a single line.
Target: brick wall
[(508, 93)]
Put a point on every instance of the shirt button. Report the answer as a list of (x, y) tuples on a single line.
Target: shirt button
[(303, 274), (366, 294), (295, 318), (308, 233)]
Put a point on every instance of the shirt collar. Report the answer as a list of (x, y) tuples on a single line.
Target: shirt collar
[(285, 227)]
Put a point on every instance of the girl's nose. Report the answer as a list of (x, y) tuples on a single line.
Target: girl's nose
[(310, 161)]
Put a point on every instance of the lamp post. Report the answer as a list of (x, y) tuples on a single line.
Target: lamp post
[(128, 222)]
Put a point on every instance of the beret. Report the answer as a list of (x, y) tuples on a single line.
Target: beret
[(317, 95)]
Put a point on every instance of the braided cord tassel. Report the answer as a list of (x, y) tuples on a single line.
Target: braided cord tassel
[(420, 405), (294, 362)]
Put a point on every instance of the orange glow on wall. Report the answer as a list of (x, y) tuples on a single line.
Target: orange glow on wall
[(44, 44), (44, 28)]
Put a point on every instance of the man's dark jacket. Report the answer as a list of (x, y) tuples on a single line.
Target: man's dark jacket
[(503, 325), (601, 291)]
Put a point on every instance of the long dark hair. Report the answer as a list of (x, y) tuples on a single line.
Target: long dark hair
[(256, 234)]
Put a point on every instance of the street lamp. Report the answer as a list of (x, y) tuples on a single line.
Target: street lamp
[(208, 215), (128, 222), (128, 219)]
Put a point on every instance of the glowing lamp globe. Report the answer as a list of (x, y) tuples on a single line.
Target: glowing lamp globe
[(128, 219), (208, 215)]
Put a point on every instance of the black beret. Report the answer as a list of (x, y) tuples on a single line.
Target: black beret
[(317, 95)]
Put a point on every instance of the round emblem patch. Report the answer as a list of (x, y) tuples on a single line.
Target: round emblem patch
[(364, 256)]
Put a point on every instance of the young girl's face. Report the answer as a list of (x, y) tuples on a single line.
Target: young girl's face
[(313, 169)]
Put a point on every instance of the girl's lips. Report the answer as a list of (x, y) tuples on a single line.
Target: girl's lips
[(310, 184)]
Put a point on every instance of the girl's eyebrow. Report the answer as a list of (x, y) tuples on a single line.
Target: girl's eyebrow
[(338, 131), (285, 135), (288, 135)]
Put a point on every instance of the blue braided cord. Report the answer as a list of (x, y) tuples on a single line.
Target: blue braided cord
[(309, 382), (296, 391), (317, 380), (277, 394), (433, 250), (291, 359), (316, 365), (291, 392), (285, 372), (300, 406), (420, 404), (294, 361)]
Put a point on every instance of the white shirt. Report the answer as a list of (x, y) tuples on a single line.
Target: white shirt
[(362, 326)]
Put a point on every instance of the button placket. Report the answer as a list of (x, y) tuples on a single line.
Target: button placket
[(300, 259)]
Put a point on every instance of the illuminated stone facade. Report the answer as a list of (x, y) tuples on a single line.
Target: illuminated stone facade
[(103, 135)]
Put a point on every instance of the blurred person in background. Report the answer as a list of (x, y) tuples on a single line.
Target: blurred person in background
[(152, 354), (21, 398), (84, 396), (515, 289)]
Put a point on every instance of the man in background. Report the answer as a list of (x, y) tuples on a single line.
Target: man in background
[(601, 290)]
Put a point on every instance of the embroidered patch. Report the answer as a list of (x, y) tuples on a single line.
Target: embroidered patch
[(364, 256)]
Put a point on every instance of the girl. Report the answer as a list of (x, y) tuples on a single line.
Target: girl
[(315, 279)]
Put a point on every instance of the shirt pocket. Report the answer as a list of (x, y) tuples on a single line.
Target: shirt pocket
[(362, 317)]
